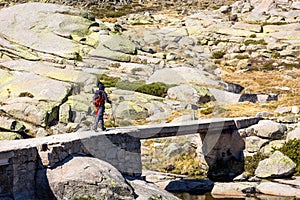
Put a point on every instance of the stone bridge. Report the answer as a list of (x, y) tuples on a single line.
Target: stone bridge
[(21, 160)]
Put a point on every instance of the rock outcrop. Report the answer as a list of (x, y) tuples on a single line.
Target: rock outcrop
[(268, 129), (87, 177), (68, 49), (52, 56), (276, 166), (294, 134), (83, 177), (232, 189), (277, 189)]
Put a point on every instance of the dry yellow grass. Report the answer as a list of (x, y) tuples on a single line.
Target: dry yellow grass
[(247, 109), (285, 83), (266, 82), (174, 115)]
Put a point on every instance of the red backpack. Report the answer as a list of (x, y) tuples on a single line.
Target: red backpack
[(97, 100)]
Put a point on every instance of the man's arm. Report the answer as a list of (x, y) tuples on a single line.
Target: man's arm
[(106, 98)]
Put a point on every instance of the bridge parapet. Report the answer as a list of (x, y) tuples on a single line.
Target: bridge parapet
[(201, 126)]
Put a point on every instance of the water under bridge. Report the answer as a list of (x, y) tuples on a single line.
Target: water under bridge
[(20, 160)]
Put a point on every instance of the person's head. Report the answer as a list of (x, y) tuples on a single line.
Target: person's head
[(101, 86)]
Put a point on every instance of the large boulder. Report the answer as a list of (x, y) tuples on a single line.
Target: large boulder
[(16, 84), (33, 26), (232, 189), (135, 105), (142, 71), (254, 143), (153, 39), (187, 75), (80, 102), (294, 134), (277, 165), (190, 94), (49, 70), (36, 101), (269, 148), (277, 189), (82, 178), (146, 190), (225, 97), (9, 136), (130, 110), (277, 31), (9, 124), (190, 186), (251, 27), (269, 129), (103, 52), (118, 43), (295, 5), (181, 75), (172, 150), (263, 6)]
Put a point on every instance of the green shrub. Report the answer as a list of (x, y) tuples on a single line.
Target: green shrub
[(261, 64), (77, 57), (155, 89), (186, 163), (113, 14), (109, 81), (87, 15), (290, 66), (85, 198), (132, 86), (241, 56), (216, 42), (110, 123), (206, 111), (275, 54), (251, 162), (217, 62), (87, 123), (217, 54), (291, 149), (255, 42)]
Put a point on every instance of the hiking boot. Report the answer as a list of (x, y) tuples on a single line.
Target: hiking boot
[(103, 129), (95, 129)]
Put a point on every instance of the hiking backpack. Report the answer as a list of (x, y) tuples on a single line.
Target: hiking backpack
[(98, 98)]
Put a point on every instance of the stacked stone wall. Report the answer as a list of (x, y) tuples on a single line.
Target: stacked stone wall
[(21, 160), (17, 173)]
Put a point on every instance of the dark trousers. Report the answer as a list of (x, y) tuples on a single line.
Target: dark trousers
[(99, 118)]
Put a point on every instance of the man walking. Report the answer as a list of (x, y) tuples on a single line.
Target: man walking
[(99, 100)]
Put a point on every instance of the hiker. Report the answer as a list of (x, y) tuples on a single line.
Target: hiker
[(99, 100)]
